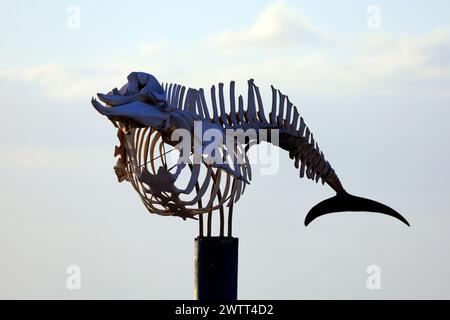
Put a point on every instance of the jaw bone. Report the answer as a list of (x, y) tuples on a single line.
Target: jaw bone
[(143, 113)]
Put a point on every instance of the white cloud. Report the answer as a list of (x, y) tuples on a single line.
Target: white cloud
[(414, 62), (152, 48), (277, 25), (81, 81), (21, 157), (373, 62), (62, 81)]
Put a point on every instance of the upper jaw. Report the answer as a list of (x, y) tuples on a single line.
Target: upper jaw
[(132, 112), (115, 100)]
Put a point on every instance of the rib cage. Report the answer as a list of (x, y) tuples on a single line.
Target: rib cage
[(142, 147), (142, 154)]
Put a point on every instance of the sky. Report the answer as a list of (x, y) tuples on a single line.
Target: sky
[(374, 93)]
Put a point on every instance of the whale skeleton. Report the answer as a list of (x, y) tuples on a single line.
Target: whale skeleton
[(148, 114)]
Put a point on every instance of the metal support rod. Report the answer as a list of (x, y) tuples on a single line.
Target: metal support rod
[(216, 268)]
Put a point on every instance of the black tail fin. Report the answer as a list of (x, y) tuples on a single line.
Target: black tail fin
[(344, 201)]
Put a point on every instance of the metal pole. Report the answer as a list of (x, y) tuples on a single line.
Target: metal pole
[(216, 268)]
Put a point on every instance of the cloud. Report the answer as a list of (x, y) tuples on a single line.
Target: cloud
[(21, 157), (372, 62), (64, 81), (82, 80), (277, 25), (405, 63), (151, 48)]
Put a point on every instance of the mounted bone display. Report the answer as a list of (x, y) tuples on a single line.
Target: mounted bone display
[(164, 155)]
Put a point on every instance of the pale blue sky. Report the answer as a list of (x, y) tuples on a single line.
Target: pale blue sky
[(33, 31), (376, 101)]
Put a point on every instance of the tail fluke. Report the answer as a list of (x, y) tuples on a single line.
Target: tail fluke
[(344, 201)]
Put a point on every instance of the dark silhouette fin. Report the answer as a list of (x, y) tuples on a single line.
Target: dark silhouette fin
[(344, 201)]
